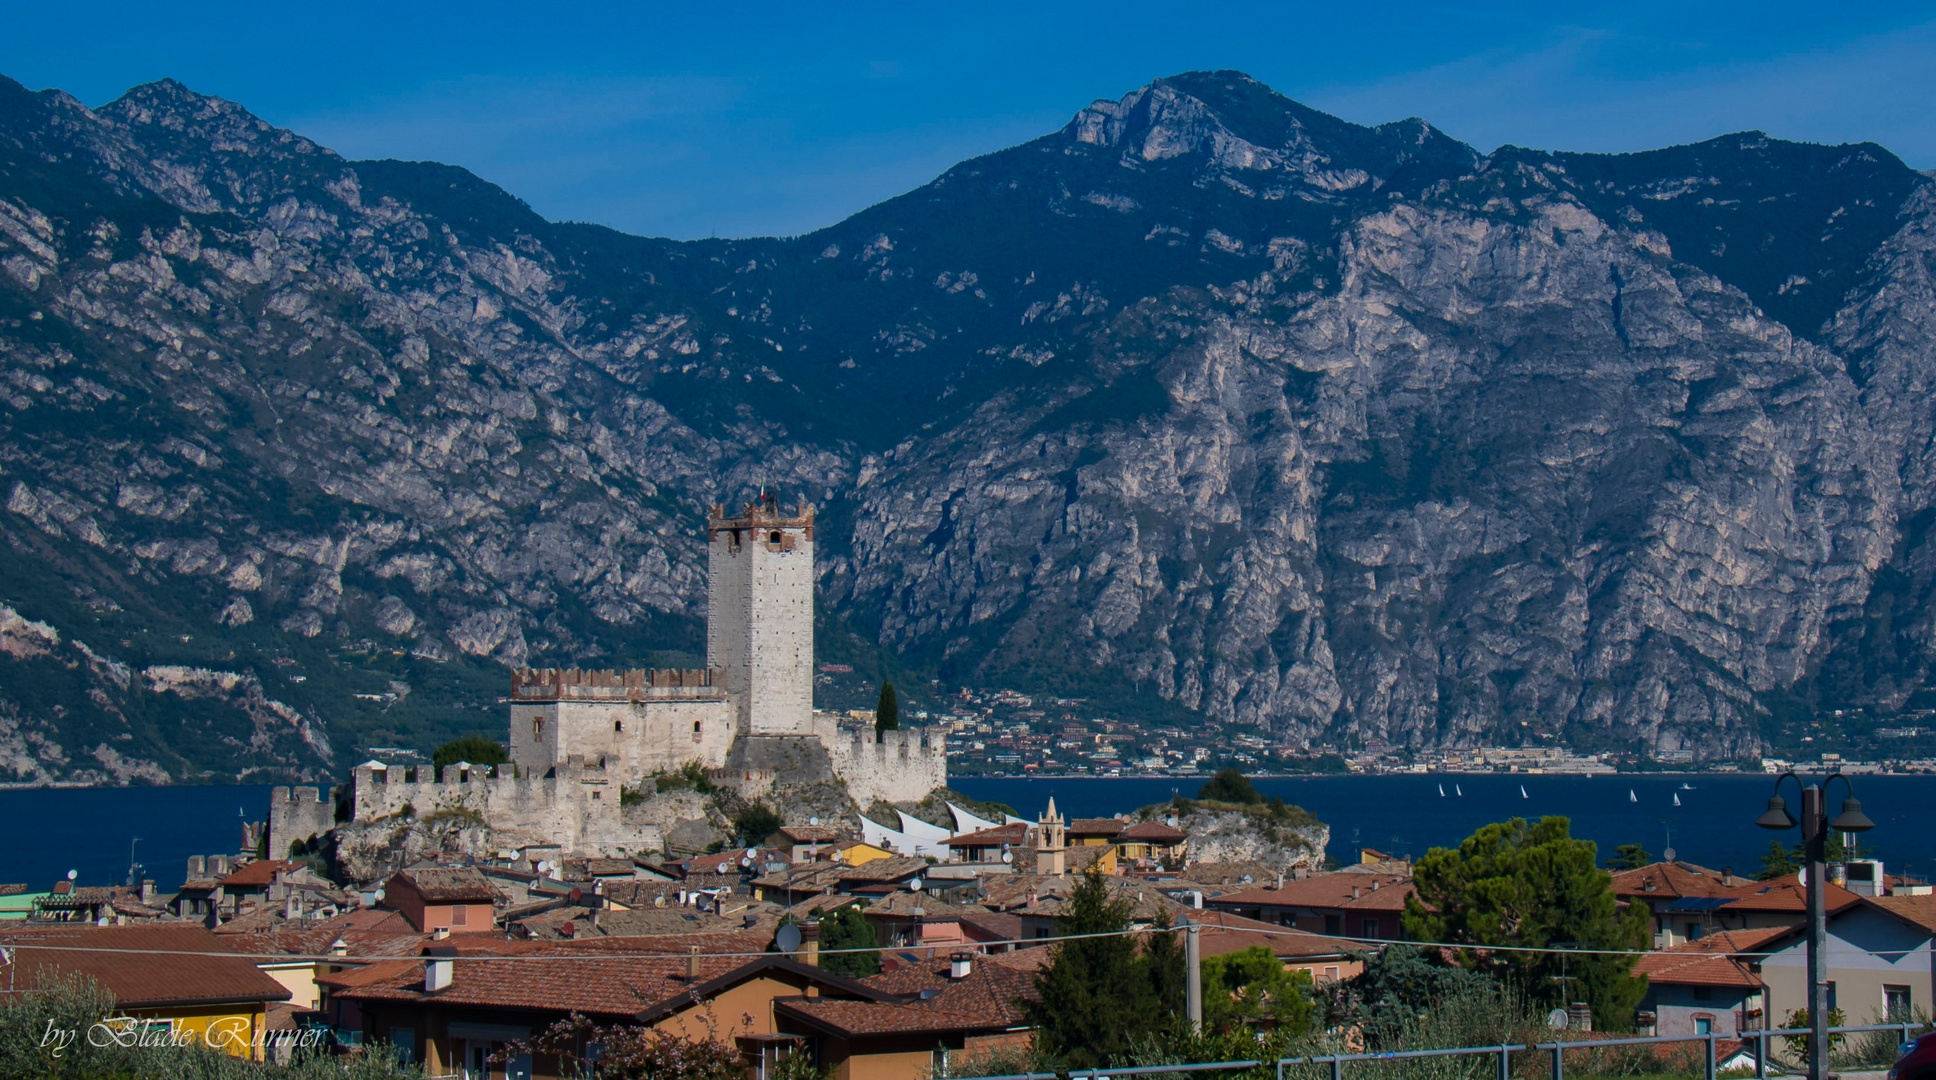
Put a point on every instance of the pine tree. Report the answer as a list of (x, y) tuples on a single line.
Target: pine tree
[(1095, 995), (1169, 978), (1777, 863), (1521, 884), (847, 928), (887, 712), (1629, 857)]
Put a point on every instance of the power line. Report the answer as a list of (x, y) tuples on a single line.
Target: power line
[(21, 943)]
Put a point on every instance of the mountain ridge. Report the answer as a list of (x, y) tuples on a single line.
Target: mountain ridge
[(1205, 403)]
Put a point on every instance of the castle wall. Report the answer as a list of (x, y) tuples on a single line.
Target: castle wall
[(904, 766), (576, 807), (632, 739), (297, 814)]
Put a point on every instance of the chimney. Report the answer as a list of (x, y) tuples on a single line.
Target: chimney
[(1196, 899), (1354, 892), (438, 971), (1727, 875), (960, 964), (442, 933), (810, 943), (692, 964), (1374, 884), (1280, 879), (291, 907), (147, 890), (339, 948)]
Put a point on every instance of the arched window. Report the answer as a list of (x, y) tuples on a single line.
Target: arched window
[(695, 727), (618, 727)]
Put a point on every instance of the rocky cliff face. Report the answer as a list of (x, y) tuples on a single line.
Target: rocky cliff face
[(1208, 401)]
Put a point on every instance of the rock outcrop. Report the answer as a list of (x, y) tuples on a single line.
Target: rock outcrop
[(1207, 400)]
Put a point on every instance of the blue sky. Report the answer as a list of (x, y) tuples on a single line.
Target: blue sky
[(746, 119)]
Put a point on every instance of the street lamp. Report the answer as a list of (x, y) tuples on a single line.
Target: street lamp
[(1815, 829)]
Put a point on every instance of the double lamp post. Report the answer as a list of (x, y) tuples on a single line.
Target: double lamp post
[(1816, 826)]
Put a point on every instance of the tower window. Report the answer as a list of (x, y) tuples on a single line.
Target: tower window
[(695, 727), (773, 538), (537, 728), (618, 726)]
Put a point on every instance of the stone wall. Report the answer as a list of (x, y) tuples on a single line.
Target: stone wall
[(297, 814), (631, 739), (904, 766), (576, 806)]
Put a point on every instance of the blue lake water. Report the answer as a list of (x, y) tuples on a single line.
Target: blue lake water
[(50, 831), (1713, 825)]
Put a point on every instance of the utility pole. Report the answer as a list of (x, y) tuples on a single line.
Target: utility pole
[(1193, 960)]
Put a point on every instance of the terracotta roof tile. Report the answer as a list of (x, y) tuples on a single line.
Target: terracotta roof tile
[(453, 884), (1329, 891), (990, 998), (255, 874), (1155, 832), (164, 963)]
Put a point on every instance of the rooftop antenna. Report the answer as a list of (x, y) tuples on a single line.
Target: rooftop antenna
[(134, 868)]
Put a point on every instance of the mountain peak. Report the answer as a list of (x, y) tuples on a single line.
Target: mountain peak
[(1232, 122)]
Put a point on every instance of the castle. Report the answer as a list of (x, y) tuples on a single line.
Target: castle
[(578, 738)]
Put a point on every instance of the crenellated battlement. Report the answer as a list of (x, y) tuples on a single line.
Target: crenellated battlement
[(632, 684), (297, 815)]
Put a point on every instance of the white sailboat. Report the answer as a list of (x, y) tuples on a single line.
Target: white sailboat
[(1631, 797), (1441, 791), (1677, 798), (1522, 792), (1459, 791)]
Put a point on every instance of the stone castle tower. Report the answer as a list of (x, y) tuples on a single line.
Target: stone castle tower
[(579, 737), (759, 615)]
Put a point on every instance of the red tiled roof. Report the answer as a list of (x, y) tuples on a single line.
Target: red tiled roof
[(988, 999), (555, 977), (1329, 891), (255, 874), (370, 932), (1097, 826), (1155, 832), (1671, 879), (810, 834), (154, 965), (1920, 910), (1785, 894), (1226, 933), (1012, 835), (446, 885)]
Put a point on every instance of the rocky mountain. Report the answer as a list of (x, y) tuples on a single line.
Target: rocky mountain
[(1207, 404)]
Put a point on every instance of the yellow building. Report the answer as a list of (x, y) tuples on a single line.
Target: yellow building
[(169, 981)]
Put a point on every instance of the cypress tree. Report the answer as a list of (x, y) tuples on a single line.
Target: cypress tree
[(887, 712), (1096, 995)]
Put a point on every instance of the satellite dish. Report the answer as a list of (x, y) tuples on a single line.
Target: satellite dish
[(724, 867), (788, 939), (1008, 856), (752, 852), (1668, 855), (73, 874), (1557, 1019), (377, 896), (915, 885), (814, 820)]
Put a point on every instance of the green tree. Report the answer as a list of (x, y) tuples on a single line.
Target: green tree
[(1095, 996), (847, 928), (887, 712), (476, 749), (1629, 857), (1229, 786), (1533, 885), (1252, 985), (756, 821), (1169, 977), (1402, 983), (1777, 863)]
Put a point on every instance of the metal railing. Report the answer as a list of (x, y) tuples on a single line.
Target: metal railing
[(1504, 1052)]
